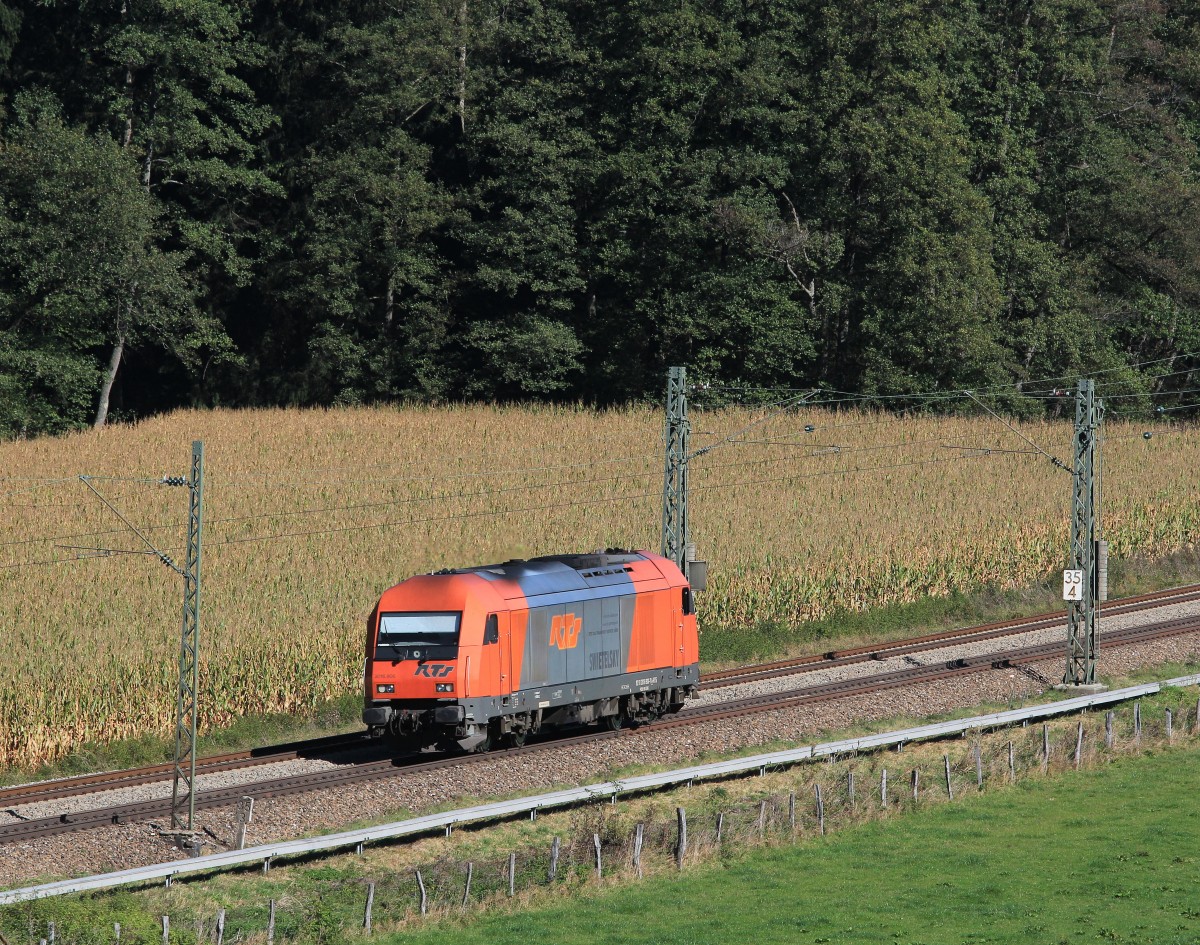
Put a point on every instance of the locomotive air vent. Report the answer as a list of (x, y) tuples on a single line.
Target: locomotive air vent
[(600, 572)]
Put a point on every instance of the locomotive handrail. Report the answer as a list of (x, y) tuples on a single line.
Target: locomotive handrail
[(265, 853)]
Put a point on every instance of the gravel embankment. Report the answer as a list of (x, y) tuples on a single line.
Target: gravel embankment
[(289, 817)]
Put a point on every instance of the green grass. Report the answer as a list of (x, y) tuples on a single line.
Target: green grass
[(1108, 855), (977, 855)]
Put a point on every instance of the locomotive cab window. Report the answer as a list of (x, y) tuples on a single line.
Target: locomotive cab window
[(491, 630), (418, 636), (689, 607)]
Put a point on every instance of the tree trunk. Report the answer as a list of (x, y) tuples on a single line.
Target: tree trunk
[(147, 166), (462, 67), (109, 376)]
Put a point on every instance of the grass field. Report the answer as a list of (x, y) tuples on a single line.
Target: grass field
[(1108, 855), (311, 514)]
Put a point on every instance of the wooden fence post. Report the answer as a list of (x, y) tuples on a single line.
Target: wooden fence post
[(720, 826), (1108, 730), (762, 818), (467, 885), (554, 860), (1045, 748), (52, 933), (949, 786), (792, 810), (512, 875), (916, 781), (978, 765), (820, 809), (370, 904), (117, 932), (424, 896), (1079, 745), (1137, 720), (637, 849), (850, 788), (1012, 764), (271, 924), (166, 927), (220, 927), (883, 788), (596, 844), (681, 842), (1170, 725)]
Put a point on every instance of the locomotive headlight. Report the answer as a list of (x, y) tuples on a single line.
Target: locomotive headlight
[(385, 687), (444, 687)]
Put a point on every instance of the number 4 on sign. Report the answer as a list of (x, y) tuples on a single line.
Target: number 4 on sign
[(1072, 584)]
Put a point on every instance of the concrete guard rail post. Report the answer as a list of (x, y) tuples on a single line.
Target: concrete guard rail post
[(591, 792)]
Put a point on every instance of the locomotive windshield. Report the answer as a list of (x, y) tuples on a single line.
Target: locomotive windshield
[(418, 636)]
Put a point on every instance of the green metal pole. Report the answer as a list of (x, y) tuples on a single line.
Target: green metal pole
[(187, 705), (675, 533), (1081, 621)]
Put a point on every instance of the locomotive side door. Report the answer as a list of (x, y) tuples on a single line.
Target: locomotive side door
[(677, 601), (504, 685)]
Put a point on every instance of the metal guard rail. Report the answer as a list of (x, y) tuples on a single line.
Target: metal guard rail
[(524, 805)]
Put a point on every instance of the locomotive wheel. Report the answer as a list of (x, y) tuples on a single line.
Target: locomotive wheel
[(613, 723), (491, 739)]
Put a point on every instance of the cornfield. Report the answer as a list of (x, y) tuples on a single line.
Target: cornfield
[(309, 515)]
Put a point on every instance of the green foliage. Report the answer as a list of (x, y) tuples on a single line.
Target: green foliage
[(1101, 855), (79, 265), (537, 199)]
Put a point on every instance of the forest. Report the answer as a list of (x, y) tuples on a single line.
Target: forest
[(263, 202)]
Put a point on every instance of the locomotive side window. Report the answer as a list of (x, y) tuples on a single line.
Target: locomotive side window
[(418, 636), (689, 607), (491, 630)]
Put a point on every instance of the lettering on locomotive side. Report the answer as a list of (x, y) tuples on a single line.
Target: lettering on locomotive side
[(434, 670), (604, 659), (564, 631)]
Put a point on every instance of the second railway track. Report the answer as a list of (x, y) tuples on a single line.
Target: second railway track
[(323, 747), (382, 768)]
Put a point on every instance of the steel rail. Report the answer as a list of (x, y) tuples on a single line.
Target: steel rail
[(962, 635), (370, 771), (429, 823), (80, 785)]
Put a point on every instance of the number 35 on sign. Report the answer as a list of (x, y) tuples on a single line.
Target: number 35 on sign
[(1072, 584)]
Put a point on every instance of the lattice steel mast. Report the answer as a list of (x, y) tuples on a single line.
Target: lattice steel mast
[(187, 705), (1083, 614), (675, 533)]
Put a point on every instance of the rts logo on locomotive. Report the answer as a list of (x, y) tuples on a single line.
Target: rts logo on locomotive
[(564, 631), (433, 670)]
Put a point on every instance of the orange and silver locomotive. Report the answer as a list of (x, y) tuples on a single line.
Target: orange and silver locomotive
[(489, 655)]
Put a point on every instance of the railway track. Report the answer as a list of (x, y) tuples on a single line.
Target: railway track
[(886, 650), (325, 747), (390, 767), (81, 785)]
